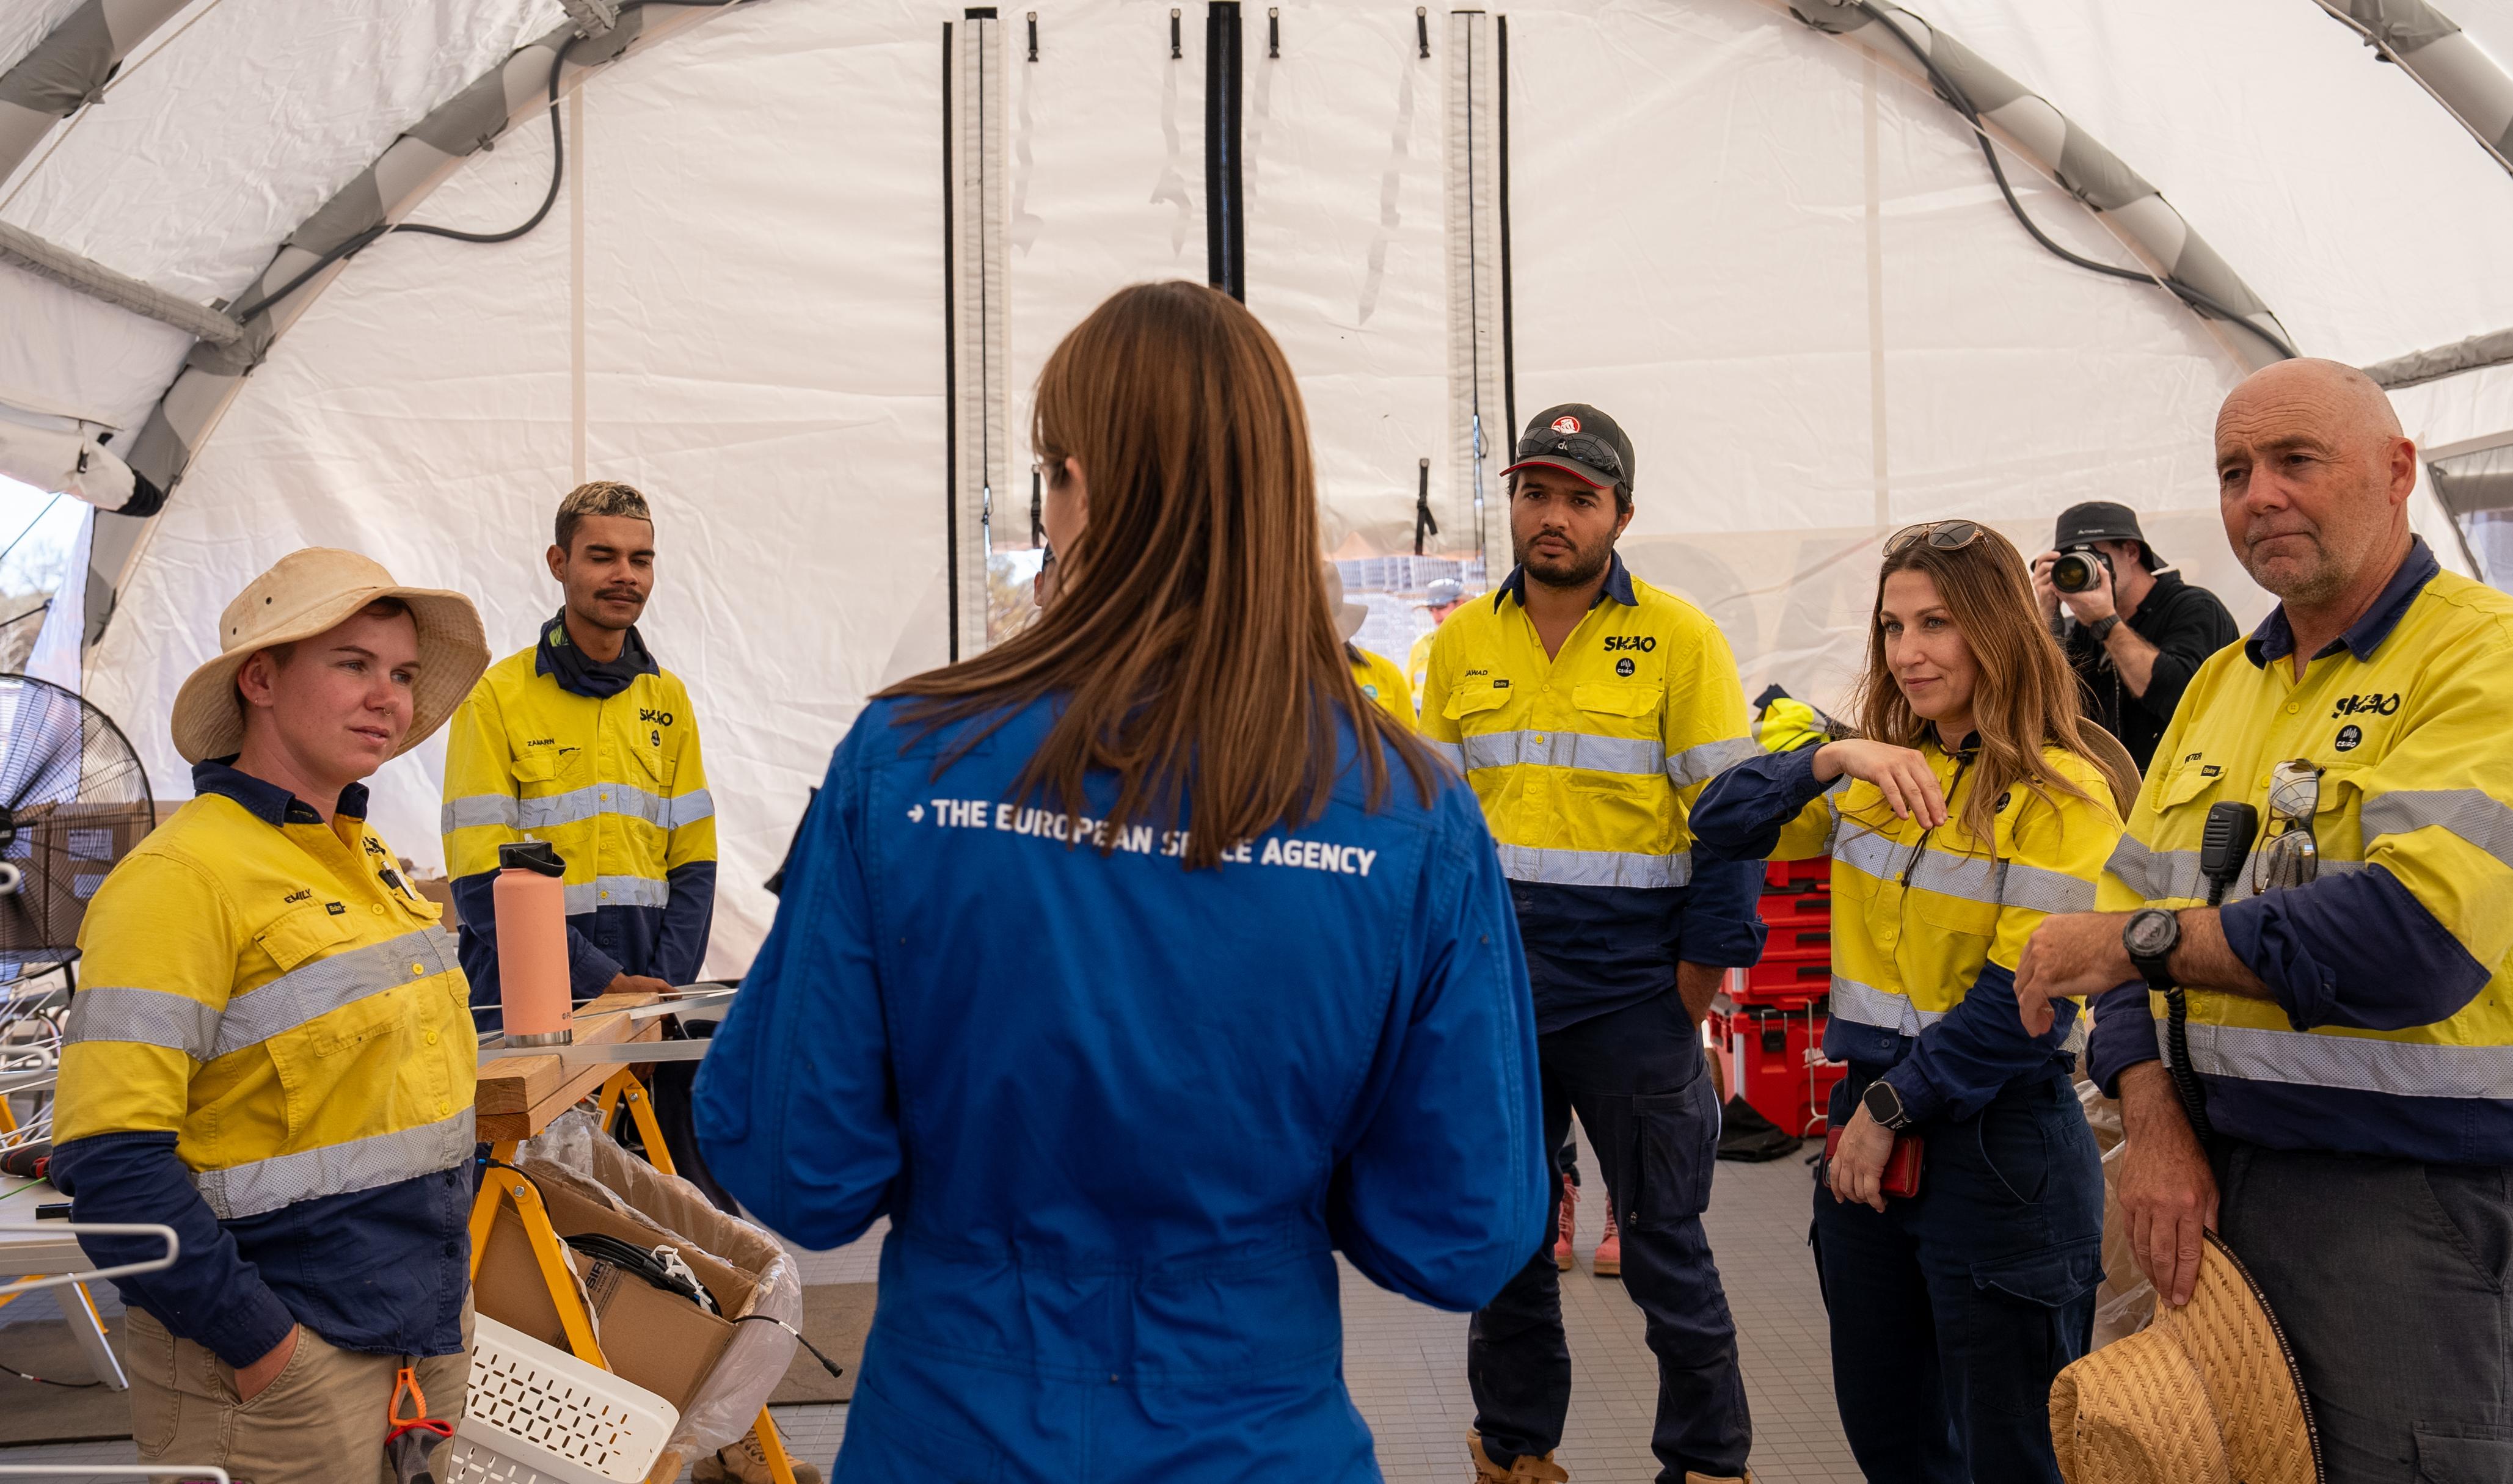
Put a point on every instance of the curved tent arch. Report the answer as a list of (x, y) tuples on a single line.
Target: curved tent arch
[(1777, 245)]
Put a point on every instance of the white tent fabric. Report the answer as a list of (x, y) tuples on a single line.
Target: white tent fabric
[(1777, 259)]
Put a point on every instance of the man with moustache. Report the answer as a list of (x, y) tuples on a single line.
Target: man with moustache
[(2350, 1008), (585, 742), (1587, 709)]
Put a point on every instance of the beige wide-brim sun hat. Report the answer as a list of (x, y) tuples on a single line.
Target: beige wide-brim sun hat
[(2207, 1393), (309, 592), (1348, 616)]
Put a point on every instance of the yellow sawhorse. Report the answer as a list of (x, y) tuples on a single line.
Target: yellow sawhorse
[(499, 1185)]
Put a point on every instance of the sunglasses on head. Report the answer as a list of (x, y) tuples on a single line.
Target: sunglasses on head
[(1944, 536)]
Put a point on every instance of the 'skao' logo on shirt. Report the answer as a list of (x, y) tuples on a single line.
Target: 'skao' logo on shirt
[(1566, 424)]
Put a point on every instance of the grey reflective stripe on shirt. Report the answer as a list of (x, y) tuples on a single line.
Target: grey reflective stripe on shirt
[(1708, 760), (180, 1023), (1594, 868), (2357, 1063), (326, 985), (616, 891), (109, 1012), (1453, 752), (1856, 845), (473, 810), (361, 1165), (2165, 875), (2467, 814), (1973, 877), (687, 808), (1565, 749), (1869, 1005)]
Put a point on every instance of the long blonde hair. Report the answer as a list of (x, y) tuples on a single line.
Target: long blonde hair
[(1190, 634), (2025, 698)]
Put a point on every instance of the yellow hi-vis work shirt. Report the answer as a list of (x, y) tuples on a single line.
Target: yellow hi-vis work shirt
[(1586, 763), (1928, 924), (1382, 682), (2391, 1032), (265, 997), (617, 786)]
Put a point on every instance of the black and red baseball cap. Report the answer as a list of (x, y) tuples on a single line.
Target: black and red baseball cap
[(1580, 442)]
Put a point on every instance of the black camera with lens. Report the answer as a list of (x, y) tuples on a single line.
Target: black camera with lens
[(2074, 571)]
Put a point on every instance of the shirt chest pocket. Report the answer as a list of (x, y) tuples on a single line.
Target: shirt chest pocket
[(1474, 702), (333, 1010), (1627, 704), (2187, 784)]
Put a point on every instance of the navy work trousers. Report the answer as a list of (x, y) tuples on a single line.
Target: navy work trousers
[(2393, 1281), (1952, 1311), (1638, 1078)]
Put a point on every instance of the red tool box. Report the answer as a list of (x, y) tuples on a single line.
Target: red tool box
[(1771, 1036)]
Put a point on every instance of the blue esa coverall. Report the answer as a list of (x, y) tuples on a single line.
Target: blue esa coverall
[(1121, 1115)]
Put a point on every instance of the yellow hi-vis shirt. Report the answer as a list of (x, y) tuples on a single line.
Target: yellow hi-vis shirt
[(1918, 911), (1587, 761), (1382, 682), (263, 992), (2392, 1029), (616, 784), (1418, 666)]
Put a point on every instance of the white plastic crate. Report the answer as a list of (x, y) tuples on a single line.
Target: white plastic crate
[(537, 1415)]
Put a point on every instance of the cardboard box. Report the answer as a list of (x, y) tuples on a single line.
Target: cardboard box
[(439, 890), (652, 1339), (66, 851)]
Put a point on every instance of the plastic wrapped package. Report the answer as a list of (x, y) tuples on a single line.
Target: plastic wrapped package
[(727, 1403)]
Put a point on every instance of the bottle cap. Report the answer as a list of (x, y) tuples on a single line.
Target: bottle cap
[(535, 855)]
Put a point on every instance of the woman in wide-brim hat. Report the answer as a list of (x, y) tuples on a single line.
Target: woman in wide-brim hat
[(309, 593)]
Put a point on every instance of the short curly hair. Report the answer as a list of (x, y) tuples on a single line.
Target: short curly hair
[(601, 497)]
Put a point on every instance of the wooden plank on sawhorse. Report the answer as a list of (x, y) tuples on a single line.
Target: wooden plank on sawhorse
[(519, 1095)]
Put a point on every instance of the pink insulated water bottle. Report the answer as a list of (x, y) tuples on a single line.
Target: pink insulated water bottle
[(532, 945)]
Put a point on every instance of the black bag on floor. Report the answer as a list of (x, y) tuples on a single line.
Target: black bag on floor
[(1746, 1135)]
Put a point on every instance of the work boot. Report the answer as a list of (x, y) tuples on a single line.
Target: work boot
[(1610, 1248), (1689, 1477), (745, 1462), (1569, 1224), (1526, 1469)]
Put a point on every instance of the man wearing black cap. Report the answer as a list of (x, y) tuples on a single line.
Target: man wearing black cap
[(1587, 709), (2136, 633)]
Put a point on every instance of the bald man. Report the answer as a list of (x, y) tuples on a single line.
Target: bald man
[(2349, 1128)]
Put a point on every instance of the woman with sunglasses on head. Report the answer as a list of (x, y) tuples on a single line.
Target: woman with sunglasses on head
[(1976, 801), (1135, 968)]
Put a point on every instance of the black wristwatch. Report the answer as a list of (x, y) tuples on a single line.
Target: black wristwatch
[(2101, 628), (2151, 936), (1885, 1106)]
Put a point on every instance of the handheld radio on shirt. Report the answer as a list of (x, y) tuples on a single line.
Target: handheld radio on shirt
[(2225, 843)]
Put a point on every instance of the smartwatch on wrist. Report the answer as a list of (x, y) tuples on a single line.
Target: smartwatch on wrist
[(2101, 628), (2150, 936), (1885, 1106)]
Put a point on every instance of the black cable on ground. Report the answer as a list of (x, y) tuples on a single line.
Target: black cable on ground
[(68, 1386), (558, 174), (1955, 98)]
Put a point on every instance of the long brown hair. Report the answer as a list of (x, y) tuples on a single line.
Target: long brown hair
[(1189, 635), (2025, 696)]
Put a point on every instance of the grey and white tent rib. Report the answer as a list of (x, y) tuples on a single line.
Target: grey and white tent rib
[(85, 275), (412, 167), (2036, 128), (2477, 353), (2443, 59), (67, 69)]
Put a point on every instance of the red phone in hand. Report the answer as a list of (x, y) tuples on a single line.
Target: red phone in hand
[(1902, 1176)]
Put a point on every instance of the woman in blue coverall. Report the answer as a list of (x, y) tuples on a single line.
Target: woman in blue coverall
[(1134, 970), (1976, 801)]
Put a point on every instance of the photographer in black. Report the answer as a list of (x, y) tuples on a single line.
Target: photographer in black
[(2134, 631)]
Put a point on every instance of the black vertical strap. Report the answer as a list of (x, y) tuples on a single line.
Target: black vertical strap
[(951, 374), (1508, 333), (1225, 234), (1034, 35), (1423, 29), (1174, 52), (1422, 521), (1274, 33)]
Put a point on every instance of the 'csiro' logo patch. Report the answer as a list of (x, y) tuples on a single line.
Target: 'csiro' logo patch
[(2348, 736)]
